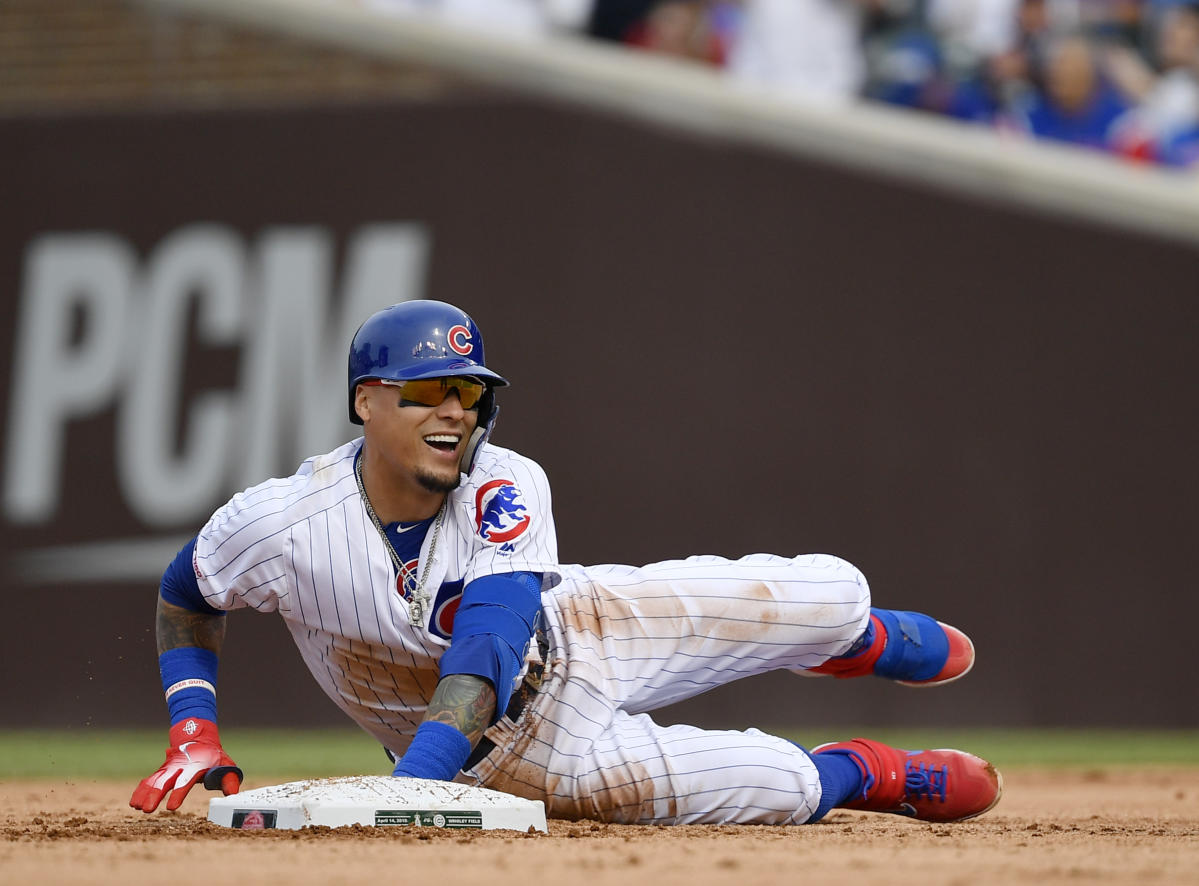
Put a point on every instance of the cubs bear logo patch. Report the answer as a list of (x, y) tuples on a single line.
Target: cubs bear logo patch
[(500, 512)]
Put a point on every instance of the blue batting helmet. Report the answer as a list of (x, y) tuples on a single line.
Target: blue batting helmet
[(424, 339), (417, 339)]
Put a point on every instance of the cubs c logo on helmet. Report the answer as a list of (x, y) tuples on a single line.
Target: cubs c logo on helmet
[(500, 512), (459, 338)]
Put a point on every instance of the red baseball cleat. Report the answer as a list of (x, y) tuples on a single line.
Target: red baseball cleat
[(908, 647), (934, 785)]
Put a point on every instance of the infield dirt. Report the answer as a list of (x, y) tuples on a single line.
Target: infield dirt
[(1051, 827)]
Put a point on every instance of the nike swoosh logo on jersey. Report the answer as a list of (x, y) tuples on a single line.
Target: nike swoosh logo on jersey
[(400, 528)]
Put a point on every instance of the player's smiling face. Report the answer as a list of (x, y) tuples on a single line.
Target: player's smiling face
[(414, 443)]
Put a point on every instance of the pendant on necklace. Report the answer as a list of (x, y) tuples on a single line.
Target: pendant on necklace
[(413, 592)]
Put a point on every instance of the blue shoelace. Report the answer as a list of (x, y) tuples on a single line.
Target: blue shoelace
[(922, 780)]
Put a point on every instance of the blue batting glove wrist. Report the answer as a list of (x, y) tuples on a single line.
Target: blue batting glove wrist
[(437, 751)]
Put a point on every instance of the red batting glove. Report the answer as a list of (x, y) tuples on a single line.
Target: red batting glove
[(195, 753)]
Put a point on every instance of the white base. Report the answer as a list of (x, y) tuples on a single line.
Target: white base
[(376, 800)]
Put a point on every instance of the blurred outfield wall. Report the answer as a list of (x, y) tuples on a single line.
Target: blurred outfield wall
[(717, 344)]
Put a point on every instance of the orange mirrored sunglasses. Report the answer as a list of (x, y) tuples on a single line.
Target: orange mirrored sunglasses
[(432, 391)]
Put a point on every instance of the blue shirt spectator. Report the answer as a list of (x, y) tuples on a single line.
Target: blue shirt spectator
[(1074, 102)]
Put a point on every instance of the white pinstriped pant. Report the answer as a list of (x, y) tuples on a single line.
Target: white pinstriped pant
[(625, 640)]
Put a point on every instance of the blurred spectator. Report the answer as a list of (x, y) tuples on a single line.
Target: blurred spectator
[(697, 30), (1075, 102), (996, 80), (1164, 126), (971, 30), (969, 59), (907, 68), (810, 49), (681, 28)]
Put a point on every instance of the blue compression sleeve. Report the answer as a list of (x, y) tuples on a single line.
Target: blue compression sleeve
[(491, 630), (438, 751), (189, 681), (188, 672), (179, 586)]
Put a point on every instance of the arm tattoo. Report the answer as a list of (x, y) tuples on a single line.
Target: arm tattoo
[(467, 703), (176, 626)]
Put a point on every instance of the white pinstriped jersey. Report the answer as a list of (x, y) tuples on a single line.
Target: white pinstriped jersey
[(304, 546), (623, 640)]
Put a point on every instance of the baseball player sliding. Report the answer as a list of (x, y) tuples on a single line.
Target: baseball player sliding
[(416, 568)]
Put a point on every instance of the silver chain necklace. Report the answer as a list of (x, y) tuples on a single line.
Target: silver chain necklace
[(420, 597)]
